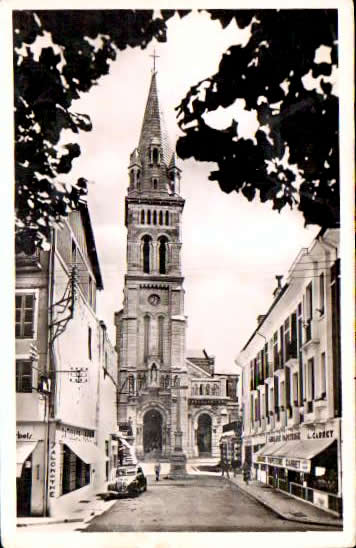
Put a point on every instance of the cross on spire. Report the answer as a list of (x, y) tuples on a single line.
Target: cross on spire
[(154, 60)]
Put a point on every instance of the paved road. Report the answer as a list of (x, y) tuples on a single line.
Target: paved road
[(199, 503)]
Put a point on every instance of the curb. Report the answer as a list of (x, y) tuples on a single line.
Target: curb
[(285, 516), (56, 521)]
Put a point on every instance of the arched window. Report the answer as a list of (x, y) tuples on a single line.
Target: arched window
[(176, 380), (146, 251), (142, 217), (166, 382), (217, 390), (155, 217), (155, 183), (201, 389), (154, 373), (207, 390), (163, 254), (146, 336), (138, 180), (160, 336), (161, 382), (155, 156), (148, 217), (160, 218), (167, 218)]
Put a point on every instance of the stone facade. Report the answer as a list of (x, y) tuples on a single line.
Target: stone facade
[(157, 382)]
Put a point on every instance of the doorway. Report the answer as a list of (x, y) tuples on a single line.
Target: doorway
[(24, 489), (152, 433), (204, 435)]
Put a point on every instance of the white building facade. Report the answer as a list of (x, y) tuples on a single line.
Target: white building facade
[(66, 374), (291, 381)]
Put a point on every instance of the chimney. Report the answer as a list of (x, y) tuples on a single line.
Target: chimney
[(279, 285)]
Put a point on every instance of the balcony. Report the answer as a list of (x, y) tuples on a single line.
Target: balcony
[(277, 361), (28, 262)]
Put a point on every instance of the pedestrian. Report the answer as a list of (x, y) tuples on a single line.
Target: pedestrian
[(246, 472), (225, 468), (234, 465), (121, 451), (157, 470)]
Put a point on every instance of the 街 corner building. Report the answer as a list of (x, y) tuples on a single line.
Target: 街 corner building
[(292, 381)]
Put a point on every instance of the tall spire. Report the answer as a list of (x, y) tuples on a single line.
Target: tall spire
[(153, 127)]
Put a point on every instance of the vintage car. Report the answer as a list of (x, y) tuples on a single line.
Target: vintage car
[(130, 480)]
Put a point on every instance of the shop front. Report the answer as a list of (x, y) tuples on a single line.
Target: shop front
[(30, 466), (304, 463), (72, 460)]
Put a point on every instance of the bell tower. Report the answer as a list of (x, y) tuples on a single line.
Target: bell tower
[(151, 326)]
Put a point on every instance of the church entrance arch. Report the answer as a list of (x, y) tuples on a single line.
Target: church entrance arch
[(204, 434), (152, 433)]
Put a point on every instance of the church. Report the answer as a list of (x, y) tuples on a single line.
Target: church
[(169, 399)]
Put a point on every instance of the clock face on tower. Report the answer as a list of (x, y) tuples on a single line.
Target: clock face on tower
[(154, 299)]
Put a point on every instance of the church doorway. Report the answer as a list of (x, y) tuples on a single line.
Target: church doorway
[(152, 433), (204, 435)]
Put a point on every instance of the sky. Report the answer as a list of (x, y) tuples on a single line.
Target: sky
[(232, 248)]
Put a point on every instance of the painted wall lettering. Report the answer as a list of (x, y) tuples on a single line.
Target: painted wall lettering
[(52, 470)]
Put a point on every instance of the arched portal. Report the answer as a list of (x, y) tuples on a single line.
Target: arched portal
[(152, 432), (204, 434)]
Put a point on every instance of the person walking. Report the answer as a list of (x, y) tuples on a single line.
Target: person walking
[(246, 472), (157, 470), (225, 469)]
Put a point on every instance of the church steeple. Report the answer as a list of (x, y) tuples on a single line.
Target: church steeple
[(150, 169)]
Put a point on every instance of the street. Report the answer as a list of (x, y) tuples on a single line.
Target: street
[(197, 503)]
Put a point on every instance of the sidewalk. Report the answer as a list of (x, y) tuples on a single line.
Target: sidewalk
[(285, 506), (82, 512)]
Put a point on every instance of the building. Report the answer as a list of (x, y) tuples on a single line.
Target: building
[(168, 400), (66, 373), (292, 383)]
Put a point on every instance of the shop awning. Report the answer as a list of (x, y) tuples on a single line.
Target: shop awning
[(229, 434), (23, 451), (295, 455), (86, 451)]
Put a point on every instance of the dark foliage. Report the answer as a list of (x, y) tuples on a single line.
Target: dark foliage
[(281, 50)]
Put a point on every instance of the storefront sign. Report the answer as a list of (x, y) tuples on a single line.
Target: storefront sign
[(52, 470), (300, 465), (319, 434), (24, 433), (72, 433), (276, 461), (284, 436)]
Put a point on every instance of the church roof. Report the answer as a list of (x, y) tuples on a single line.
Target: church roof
[(153, 125)]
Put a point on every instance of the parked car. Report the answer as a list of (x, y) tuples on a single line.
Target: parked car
[(130, 480)]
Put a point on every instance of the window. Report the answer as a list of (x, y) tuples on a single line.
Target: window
[(155, 156), (90, 291), (160, 218), (23, 376), (323, 375), (160, 337), (321, 294), (155, 217), (163, 241), (89, 343), (146, 250), (311, 380), (25, 316), (142, 217), (308, 311), (146, 337), (295, 390), (167, 218), (155, 183), (148, 217)]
